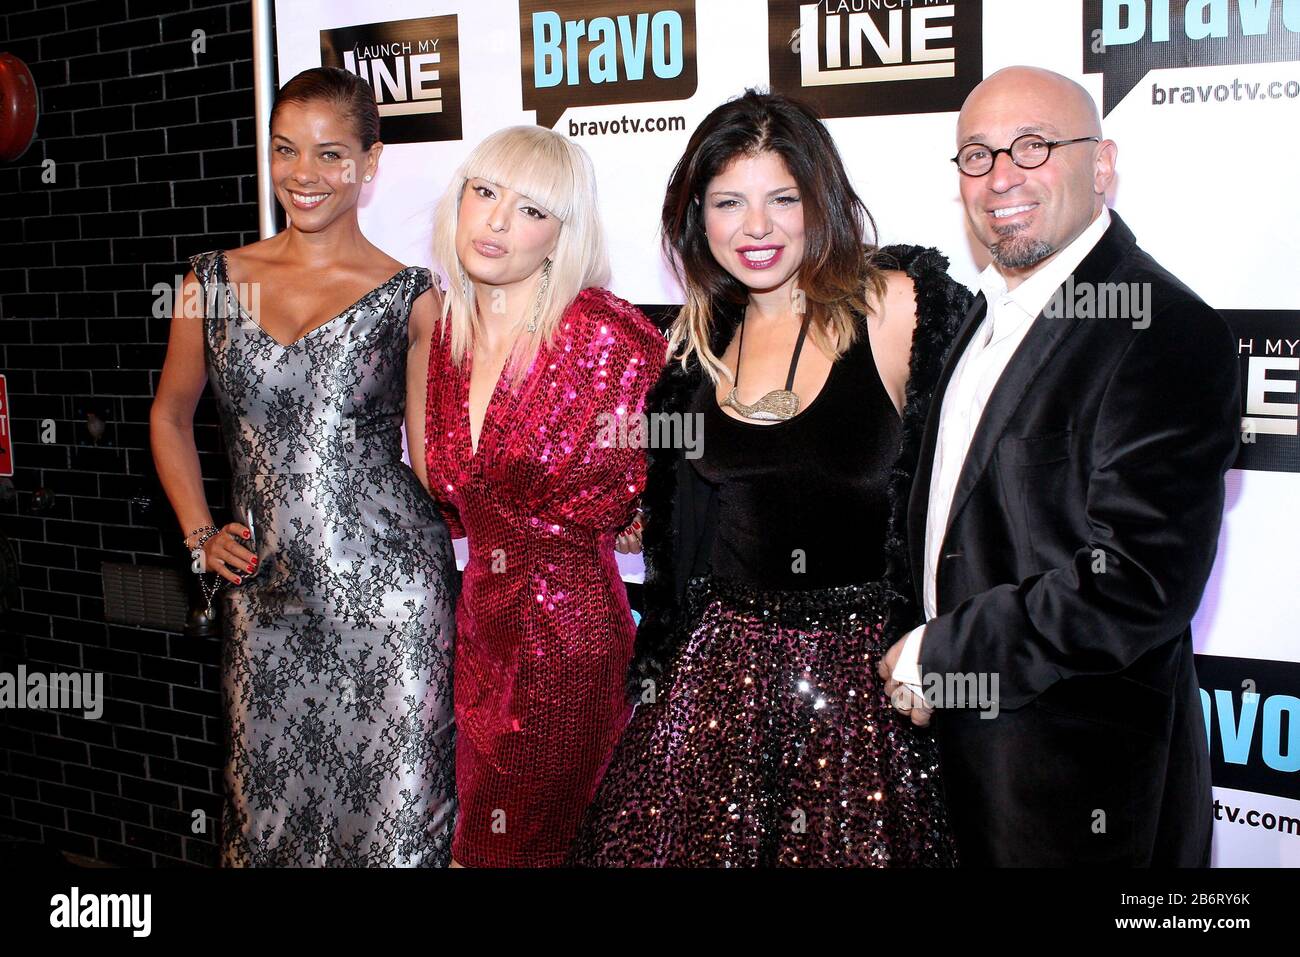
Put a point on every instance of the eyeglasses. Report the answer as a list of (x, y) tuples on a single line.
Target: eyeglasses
[(1028, 152)]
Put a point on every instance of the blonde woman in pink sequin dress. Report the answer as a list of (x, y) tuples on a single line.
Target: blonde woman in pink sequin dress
[(535, 367)]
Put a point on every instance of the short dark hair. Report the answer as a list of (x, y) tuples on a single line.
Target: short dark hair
[(351, 94)]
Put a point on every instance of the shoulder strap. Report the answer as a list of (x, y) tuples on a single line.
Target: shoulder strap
[(423, 280), (205, 265), (207, 270), (740, 350), (794, 359)]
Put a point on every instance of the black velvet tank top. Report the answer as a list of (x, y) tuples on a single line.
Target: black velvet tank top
[(803, 503)]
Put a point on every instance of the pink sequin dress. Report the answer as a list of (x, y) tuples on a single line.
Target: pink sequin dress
[(544, 631)]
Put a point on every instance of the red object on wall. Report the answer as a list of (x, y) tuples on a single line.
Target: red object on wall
[(18, 107), (6, 437)]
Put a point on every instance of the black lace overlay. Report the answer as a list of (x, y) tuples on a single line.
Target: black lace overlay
[(337, 653)]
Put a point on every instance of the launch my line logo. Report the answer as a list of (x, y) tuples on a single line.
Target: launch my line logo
[(876, 57), (577, 53), (1268, 350), (1124, 40), (414, 68)]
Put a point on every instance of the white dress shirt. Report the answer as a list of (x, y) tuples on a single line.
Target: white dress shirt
[(1007, 319)]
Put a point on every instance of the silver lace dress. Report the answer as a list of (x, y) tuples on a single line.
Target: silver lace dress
[(337, 653)]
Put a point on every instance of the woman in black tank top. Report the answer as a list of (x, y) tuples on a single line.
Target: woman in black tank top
[(774, 578), (804, 503)]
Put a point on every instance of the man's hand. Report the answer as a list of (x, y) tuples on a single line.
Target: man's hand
[(904, 698)]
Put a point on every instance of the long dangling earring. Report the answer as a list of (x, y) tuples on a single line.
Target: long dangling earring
[(542, 286)]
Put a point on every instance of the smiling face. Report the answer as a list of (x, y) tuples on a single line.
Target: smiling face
[(1026, 216), (502, 237), (317, 163), (753, 218)]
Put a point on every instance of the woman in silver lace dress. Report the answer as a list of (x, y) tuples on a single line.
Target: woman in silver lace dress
[(339, 613)]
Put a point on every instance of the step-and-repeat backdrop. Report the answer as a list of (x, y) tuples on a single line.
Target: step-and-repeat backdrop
[(1203, 97)]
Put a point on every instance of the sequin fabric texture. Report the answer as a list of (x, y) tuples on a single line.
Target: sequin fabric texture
[(337, 653), (544, 631), (770, 741), (774, 745)]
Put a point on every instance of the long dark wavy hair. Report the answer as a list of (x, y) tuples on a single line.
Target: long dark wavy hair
[(837, 271), (352, 96)]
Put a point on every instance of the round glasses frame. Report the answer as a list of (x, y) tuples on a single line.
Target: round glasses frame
[(1017, 145)]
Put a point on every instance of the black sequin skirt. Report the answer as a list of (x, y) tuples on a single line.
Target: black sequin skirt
[(773, 744)]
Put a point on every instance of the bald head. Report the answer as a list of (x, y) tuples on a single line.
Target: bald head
[(1031, 93), (1025, 214)]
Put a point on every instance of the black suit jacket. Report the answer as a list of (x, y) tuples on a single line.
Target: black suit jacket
[(1081, 534)]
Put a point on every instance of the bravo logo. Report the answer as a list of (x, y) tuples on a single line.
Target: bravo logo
[(1126, 39), (1243, 716), (1252, 723), (596, 53)]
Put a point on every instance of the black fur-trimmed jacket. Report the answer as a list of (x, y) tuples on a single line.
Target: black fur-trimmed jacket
[(680, 508)]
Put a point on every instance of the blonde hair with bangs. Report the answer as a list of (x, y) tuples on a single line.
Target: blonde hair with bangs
[(556, 174)]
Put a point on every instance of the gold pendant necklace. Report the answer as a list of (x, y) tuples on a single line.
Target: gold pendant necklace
[(779, 404)]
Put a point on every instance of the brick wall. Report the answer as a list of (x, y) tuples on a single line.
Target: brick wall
[(153, 160)]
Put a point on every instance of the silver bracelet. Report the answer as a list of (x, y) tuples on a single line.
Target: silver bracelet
[(209, 591), (207, 531)]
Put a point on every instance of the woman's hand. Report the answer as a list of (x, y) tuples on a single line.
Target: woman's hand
[(628, 541), (224, 555)]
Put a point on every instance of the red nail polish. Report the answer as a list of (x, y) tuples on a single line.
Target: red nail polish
[(250, 567), (238, 580), (247, 533)]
